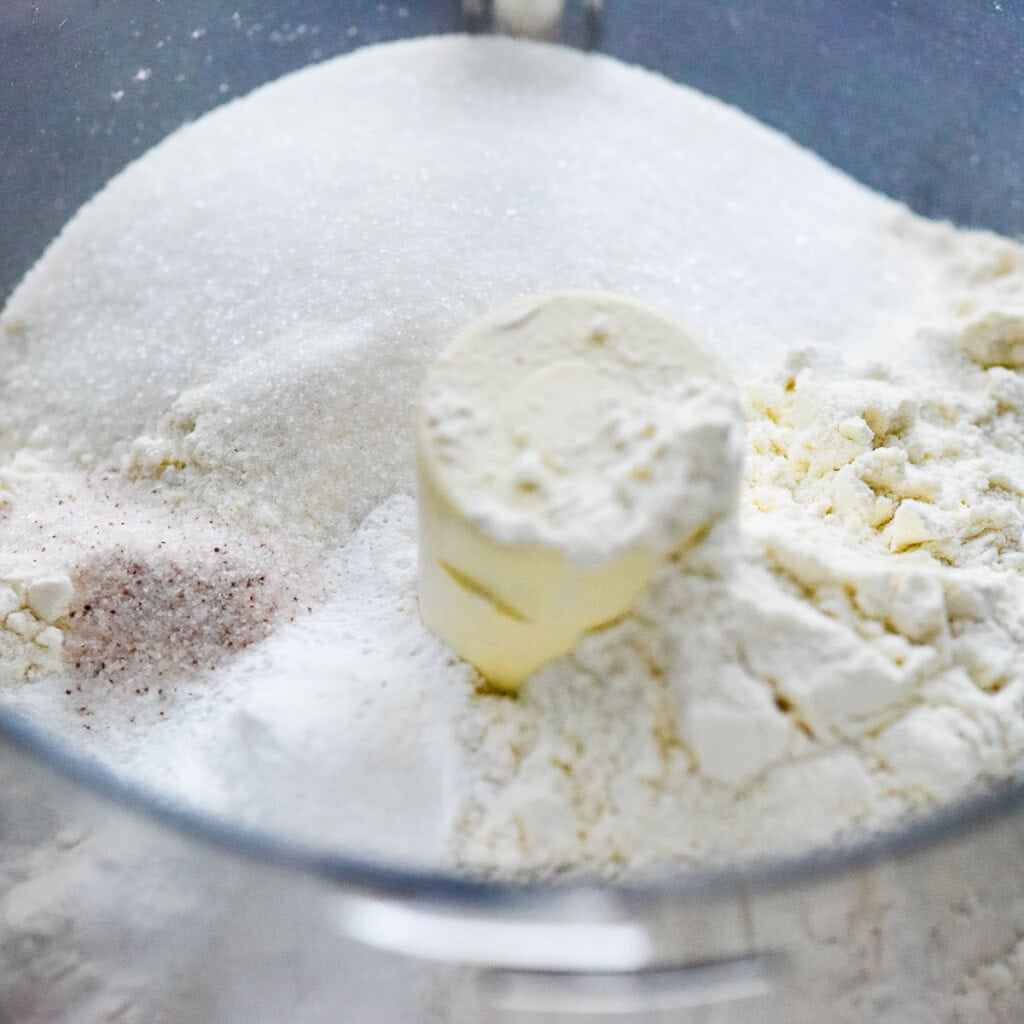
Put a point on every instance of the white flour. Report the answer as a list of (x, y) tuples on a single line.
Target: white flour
[(207, 437), (833, 673)]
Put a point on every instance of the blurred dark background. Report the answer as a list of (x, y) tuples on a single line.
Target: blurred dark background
[(922, 99)]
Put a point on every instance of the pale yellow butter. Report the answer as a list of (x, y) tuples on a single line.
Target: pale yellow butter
[(566, 445)]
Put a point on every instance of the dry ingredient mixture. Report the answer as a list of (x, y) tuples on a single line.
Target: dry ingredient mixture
[(208, 564)]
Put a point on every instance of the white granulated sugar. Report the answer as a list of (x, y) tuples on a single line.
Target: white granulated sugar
[(364, 711), (260, 357), (207, 384)]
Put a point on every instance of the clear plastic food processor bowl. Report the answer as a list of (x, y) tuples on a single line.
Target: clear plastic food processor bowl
[(921, 99)]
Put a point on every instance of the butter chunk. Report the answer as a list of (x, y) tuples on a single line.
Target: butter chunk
[(566, 445)]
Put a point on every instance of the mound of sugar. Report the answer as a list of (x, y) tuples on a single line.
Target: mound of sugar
[(212, 372), (242, 318)]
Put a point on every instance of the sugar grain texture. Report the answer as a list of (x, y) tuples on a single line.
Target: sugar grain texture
[(207, 506)]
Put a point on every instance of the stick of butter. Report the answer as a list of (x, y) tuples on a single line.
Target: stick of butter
[(566, 445)]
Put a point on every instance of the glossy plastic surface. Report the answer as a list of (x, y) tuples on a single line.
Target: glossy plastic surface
[(923, 100)]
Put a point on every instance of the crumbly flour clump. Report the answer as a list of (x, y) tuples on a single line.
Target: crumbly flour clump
[(207, 507), (848, 652)]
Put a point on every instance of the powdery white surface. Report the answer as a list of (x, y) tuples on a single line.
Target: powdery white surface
[(238, 391), (360, 748), (816, 674), (185, 422), (500, 428)]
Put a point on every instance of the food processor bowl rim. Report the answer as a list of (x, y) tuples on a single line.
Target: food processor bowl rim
[(945, 824)]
